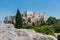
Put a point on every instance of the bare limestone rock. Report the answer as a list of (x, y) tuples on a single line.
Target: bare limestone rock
[(8, 32)]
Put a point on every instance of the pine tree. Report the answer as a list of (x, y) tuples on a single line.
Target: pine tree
[(18, 20)]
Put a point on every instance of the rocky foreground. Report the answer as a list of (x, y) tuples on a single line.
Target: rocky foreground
[(8, 32)]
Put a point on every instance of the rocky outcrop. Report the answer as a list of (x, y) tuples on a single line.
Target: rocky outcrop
[(8, 32)]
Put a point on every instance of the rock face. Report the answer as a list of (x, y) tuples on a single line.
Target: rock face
[(8, 32)]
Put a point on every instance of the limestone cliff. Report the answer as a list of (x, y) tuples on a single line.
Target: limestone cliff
[(8, 32)]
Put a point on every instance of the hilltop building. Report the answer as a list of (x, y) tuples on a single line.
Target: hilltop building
[(29, 17)]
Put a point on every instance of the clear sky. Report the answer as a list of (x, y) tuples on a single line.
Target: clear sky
[(9, 7)]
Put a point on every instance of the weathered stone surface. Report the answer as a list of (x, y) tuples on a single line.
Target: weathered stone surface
[(8, 32), (6, 27)]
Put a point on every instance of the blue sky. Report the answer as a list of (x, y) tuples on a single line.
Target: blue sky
[(9, 7)]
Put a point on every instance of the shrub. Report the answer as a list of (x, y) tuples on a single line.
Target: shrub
[(27, 26), (37, 29), (47, 29)]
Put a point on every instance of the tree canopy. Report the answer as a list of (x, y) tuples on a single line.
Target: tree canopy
[(18, 20), (57, 27), (51, 20)]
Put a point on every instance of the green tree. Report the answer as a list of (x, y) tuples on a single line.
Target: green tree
[(57, 27), (58, 20), (47, 29), (18, 20), (51, 20)]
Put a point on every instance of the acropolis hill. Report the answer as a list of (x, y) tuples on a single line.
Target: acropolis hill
[(34, 17), (8, 32)]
